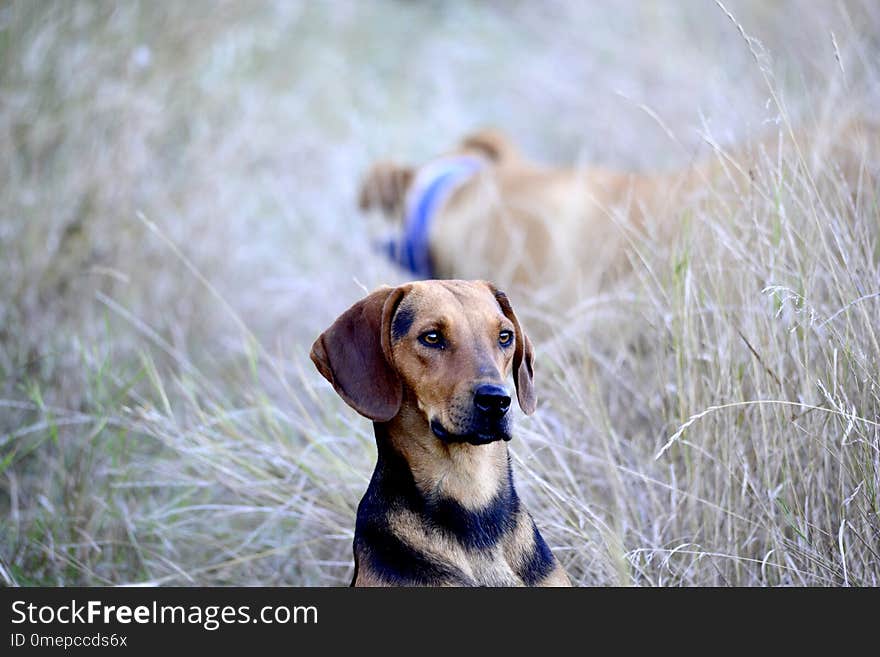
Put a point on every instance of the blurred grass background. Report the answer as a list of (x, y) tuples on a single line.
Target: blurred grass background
[(178, 222)]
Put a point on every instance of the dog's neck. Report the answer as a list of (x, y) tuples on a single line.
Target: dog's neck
[(471, 475), (434, 183)]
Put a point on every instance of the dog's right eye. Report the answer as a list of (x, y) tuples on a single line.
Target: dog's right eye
[(432, 339)]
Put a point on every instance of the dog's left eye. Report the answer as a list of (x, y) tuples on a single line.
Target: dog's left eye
[(432, 339), (505, 338)]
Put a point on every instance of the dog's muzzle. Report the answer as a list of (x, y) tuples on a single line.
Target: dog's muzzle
[(488, 418)]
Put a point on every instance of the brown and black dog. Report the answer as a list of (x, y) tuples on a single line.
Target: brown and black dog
[(427, 362)]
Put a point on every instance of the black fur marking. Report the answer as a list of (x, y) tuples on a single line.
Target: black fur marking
[(540, 562), (393, 489), (395, 562), (402, 322), (477, 529), (389, 557), (483, 433)]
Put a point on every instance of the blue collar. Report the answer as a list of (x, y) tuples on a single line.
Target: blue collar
[(433, 185)]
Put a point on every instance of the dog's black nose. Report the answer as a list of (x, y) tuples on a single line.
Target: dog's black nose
[(491, 399)]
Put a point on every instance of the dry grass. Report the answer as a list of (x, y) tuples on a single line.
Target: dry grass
[(178, 224)]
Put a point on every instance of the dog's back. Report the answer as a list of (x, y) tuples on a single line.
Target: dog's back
[(562, 234)]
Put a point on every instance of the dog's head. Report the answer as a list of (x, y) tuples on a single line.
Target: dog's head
[(444, 347)]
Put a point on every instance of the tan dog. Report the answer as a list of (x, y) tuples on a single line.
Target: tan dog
[(427, 362), (559, 234)]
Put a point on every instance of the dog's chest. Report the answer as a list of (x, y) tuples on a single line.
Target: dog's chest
[(442, 552), (490, 568)]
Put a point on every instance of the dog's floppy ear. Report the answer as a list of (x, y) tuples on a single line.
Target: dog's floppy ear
[(523, 358), (491, 143), (354, 355)]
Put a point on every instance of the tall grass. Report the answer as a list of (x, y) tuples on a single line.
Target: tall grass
[(178, 224)]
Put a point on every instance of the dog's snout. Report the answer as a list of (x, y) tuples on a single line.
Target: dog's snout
[(491, 399)]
